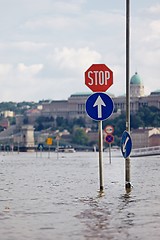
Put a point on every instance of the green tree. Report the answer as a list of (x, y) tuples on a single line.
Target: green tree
[(79, 122), (149, 116), (136, 121), (79, 137), (39, 127), (118, 123)]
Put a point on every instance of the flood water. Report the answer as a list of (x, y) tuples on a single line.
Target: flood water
[(47, 197)]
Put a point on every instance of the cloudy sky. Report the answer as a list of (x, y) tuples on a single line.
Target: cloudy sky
[(47, 45)]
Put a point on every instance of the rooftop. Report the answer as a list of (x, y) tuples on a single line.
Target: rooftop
[(135, 79), (156, 92)]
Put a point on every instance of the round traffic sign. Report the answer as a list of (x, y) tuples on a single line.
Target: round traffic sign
[(98, 77), (99, 106), (109, 129), (40, 146), (109, 138)]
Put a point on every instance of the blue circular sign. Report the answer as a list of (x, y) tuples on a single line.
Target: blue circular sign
[(99, 106), (109, 138)]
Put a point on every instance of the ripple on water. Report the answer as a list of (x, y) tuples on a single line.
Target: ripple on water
[(57, 198)]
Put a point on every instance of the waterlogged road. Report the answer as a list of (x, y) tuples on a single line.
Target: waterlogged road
[(42, 197)]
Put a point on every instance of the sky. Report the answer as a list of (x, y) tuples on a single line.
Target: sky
[(47, 45)]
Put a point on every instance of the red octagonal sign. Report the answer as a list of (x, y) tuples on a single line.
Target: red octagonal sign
[(98, 77)]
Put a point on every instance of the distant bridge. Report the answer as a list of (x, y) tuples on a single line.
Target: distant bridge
[(147, 151)]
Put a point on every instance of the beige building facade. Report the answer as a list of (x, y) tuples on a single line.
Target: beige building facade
[(147, 137), (27, 136), (55, 109), (74, 107)]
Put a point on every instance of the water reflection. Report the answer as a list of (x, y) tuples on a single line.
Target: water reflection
[(95, 218), (126, 215)]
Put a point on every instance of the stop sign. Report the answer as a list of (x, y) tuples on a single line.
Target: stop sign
[(98, 77)]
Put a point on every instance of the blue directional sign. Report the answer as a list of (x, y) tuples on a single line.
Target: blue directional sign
[(126, 144), (99, 106), (40, 146)]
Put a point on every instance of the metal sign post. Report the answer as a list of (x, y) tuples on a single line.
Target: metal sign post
[(57, 148), (99, 106), (127, 160), (41, 149), (109, 139), (100, 156), (110, 153), (49, 143)]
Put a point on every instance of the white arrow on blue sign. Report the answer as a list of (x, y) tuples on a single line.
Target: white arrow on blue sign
[(99, 106), (126, 144), (40, 146)]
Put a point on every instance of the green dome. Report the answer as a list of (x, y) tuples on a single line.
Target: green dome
[(135, 79)]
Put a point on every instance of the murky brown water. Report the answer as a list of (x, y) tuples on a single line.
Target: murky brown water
[(49, 198)]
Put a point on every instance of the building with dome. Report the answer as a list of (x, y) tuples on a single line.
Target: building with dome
[(137, 97), (74, 107), (136, 86)]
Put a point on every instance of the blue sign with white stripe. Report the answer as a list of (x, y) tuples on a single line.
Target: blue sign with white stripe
[(126, 144)]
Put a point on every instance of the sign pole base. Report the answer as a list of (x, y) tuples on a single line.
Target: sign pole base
[(128, 185)]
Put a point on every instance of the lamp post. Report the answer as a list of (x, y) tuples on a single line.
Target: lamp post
[(127, 160)]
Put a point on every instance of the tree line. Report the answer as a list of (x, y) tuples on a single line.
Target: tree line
[(147, 116)]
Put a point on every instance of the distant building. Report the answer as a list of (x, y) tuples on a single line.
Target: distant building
[(55, 109), (145, 137), (7, 113), (32, 115), (74, 107), (154, 140), (27, 136), (19, 120), (136, 86), (4, 123), (137, 97)]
